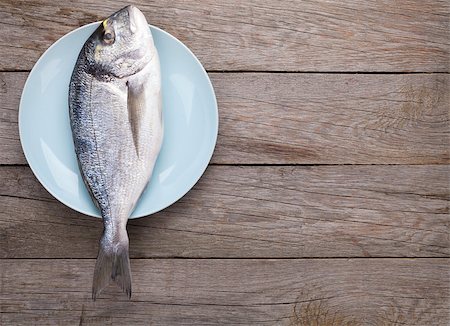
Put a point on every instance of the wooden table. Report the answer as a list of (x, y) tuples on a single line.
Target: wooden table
[(327, 199)]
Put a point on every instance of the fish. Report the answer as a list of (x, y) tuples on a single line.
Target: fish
[(115, 111)]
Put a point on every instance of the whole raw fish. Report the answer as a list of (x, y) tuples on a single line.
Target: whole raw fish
[(116, 119)]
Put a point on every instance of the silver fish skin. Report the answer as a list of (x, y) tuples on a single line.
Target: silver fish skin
[(116, 120)]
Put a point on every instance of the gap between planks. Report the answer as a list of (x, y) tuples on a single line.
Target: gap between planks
[(291, 164), (240, 258), (336, 72)]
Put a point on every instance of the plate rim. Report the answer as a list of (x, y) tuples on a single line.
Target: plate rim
[(203, 168)]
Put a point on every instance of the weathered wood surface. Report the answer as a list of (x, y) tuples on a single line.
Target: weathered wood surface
[(326, 245), (318, 211), (292, 35), (231, 292), (306, 118)]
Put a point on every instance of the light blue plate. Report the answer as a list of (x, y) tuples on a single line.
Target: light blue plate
[(190, 117)]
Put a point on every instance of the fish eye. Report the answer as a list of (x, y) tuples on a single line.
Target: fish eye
[(108, 37)]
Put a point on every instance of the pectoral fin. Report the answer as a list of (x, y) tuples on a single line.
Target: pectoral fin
[(136, 111)]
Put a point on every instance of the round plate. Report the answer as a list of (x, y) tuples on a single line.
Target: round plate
[(190, 124)]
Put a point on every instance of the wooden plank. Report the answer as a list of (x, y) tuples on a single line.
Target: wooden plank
[(224, 292), (316, 211), (289, 35), (333, 119), (306, 118), (11, 86)]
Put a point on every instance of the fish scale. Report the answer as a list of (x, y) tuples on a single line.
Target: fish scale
[(115, 113)]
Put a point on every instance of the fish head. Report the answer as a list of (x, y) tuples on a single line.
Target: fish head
[(122, 45)]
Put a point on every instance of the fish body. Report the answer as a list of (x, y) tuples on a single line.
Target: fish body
[(116, 120)]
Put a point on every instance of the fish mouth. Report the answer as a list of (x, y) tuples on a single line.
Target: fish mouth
[(131, 9), (137, 18), (129, 14)]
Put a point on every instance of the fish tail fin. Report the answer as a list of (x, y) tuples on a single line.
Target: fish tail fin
[(113, 263)]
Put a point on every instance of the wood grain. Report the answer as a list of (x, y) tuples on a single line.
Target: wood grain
[(318, 211), (333, 119), (230, 292), (353, 231), (11, 86), (306, 118), (291, 35)]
